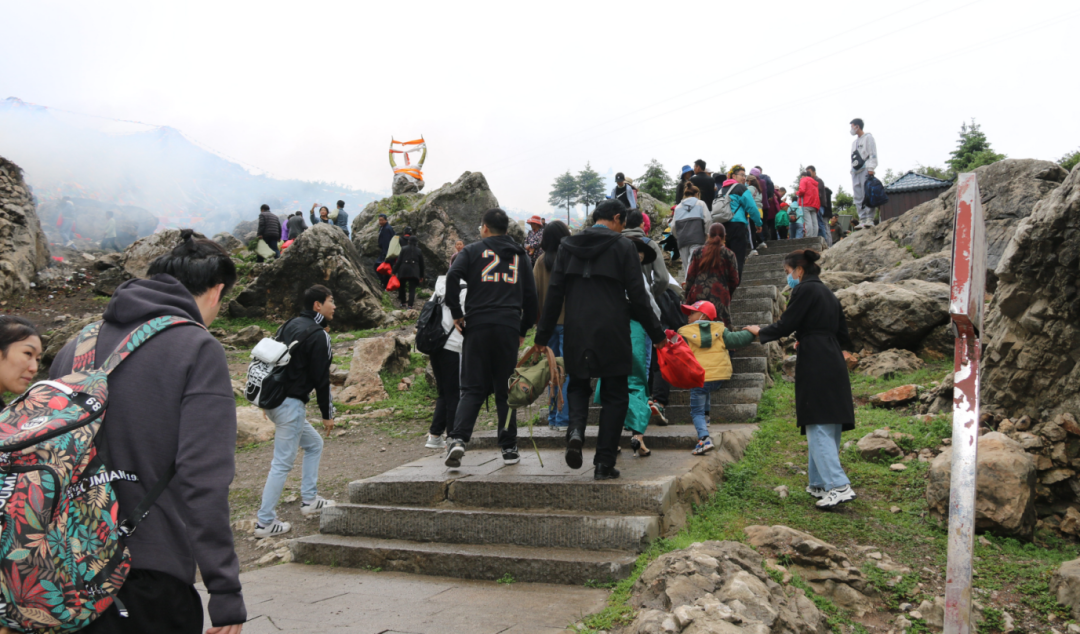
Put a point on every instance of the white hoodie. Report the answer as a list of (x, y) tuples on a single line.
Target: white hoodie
[(453, 344)]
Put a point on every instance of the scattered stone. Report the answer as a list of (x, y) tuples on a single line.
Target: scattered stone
[(874, 555), (246, 527), (1008, 624), (371, 356), (895, 397), (852, 360), (246, 337), (873, 447), (984, 541), (904, 607), (890, 363), (902, 623), (1005, 499), (782, 491), (898, 467), (1070, 524), (895, 509)]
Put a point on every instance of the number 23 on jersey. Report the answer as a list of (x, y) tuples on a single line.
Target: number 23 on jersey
[(489, 274)]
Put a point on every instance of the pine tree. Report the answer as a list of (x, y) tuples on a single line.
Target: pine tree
[(590, 187), (972, 150), (564, 190), (656, 182)]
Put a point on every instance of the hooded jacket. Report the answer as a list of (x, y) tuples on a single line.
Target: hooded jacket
[(656, 272), (808, 193), (690, 222), (309, 364), (597, 275), (743, 207), (172, 401), (502, 291), (269, 228)]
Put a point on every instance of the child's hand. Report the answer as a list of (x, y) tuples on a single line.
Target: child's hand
[(754, 330)]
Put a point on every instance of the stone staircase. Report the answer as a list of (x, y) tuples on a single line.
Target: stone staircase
[(549, 523)]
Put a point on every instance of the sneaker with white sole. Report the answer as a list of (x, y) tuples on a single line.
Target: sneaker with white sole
[(315, 506), (818, 492), (435, 442), (836, 497), (510, 455), (657, 414), (277, 527), (455, 449)]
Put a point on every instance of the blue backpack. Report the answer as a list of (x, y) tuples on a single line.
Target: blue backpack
[(874, 194)]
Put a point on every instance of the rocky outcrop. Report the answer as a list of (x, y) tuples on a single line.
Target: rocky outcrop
[(837, 280), (54, 340), (889, 363), (882, 316), (1065, 586), (229, 242), (321, 255), (1034, 319), (1010, 190), (405, 184), (135, 260), (370, 357), (719, 587), (1005, 484), (23, 250), (936, 267), (439, 219), (245, 231)]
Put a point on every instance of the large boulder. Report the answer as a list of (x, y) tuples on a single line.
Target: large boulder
[(1034, 319), (439, 219), (882, 316), (710, 586), (245, 231), (1010, 190), (23, 250), (138, 257), (1065, 586), (890, 362), (252, 426), (321, 255), (53, 341), (837, 280), (370, 357), (1005, 485), (936, 267), (229, 242)]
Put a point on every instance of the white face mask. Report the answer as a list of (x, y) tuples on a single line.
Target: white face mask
[(853, 131)]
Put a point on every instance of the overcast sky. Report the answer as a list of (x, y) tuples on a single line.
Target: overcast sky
[(524, 91)]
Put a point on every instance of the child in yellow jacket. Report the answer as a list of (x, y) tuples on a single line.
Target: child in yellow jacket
[(710, 341)]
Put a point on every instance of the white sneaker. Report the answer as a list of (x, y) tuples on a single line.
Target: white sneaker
[(277, 527), (435, 442), (837, 496), (315, 506), (754, 252), (818, 492)]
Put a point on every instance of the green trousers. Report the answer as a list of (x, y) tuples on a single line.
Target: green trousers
[(638, 414)]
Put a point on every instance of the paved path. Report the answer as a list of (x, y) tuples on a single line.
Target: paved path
[(315, 599)]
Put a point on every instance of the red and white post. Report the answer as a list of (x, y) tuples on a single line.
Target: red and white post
[(966, 312)]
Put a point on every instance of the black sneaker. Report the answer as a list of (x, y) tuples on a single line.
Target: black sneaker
[(455, 449), (573, 450), (510, 455), (602, 472)]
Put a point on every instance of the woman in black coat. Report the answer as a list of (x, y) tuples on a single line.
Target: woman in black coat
[(409, 269), (823, 404)]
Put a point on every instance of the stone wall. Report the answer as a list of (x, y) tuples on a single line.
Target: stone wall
[(23, 250)]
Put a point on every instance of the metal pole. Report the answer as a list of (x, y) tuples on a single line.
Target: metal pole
[(965, 308)]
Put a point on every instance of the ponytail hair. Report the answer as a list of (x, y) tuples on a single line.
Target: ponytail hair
[(197, 263), (807, 259)]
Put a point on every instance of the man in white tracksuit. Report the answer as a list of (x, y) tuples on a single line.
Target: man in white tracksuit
[(864, 161)]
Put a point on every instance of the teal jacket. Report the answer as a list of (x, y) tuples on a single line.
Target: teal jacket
[(743, 205)]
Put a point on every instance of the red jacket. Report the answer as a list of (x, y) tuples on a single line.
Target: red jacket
[(808, 193)]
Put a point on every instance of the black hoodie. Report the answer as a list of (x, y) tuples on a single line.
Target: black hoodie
[(172, 400), (498, 273), (598, 275)]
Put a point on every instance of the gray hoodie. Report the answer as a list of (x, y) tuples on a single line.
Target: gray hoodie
[(172, 400)]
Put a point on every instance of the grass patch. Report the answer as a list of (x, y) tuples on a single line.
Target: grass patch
[(418, 402), (231, 324)]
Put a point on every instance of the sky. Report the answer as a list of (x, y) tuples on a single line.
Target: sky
[(524, 91)]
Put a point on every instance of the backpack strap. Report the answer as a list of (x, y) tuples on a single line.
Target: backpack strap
[(85, 347), (128, 526), (140, 335)]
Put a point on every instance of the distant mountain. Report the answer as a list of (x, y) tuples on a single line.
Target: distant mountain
[(159, 170)]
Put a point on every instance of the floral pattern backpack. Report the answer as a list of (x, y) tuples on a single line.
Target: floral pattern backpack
[(62, 552)]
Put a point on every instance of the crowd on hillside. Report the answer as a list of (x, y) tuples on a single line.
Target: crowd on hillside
[(602, 300)]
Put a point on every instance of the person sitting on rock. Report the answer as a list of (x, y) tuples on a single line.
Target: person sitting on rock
[(308, 369), (409, 269)]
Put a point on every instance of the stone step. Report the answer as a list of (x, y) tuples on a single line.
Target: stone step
[(675, 436), (468, 561), (488, 526), (755, 305), (787, 246), (743, 319), (778, 281), (763, 274), (753, 350), (766, 257), (754, 292), (747, 365), (720, 414), (725, 395)]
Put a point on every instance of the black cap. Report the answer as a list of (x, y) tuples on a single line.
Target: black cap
[(620, 177)]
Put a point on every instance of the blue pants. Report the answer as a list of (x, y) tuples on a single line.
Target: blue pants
[(823, 450), (292, 433), (798, 230), (558, 417), (701, 402), (823, 228)]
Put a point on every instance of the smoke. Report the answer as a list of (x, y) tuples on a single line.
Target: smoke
[(152, 179)]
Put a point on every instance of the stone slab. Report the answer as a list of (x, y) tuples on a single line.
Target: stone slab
[(748, 365), (779, 280), (725, 395), (754, 292), (740, 320), (787, 246), (770, 273), (720, 414), (317, 599), (753, 350), (677, 435), (751, 305), (489, 526)]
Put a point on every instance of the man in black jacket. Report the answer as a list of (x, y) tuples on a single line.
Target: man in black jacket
[(704, 182), (500, 308), (308, 369), (171, 402), (598, 276), (409, 269), (296, 225), (269, 230)]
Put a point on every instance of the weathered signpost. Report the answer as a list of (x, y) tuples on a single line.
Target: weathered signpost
[(966, 311)]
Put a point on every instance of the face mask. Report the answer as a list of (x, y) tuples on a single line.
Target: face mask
[(853, 132), (791, 281)]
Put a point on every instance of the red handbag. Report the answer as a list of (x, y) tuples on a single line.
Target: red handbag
[(678, 365), (384, 268), (395, 284)]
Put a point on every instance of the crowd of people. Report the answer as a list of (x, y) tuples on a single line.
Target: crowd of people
[(600, 299)]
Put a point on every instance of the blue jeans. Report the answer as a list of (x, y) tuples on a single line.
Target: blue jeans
[(701, 402), (558, 417), (823, 228), (823, 450), (796, 227), (293, 432)]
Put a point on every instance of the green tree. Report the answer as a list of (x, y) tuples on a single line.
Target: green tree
[(933, 172), (972, 150), (891, 177), (1069, 161), (843, 202), (590, 187), (563, 192), (656, 183)]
